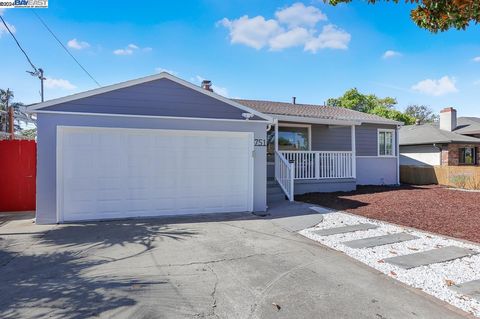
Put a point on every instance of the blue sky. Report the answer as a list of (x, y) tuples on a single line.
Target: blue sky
[(249, 49)]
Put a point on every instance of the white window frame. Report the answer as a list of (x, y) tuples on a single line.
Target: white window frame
[(394, 141), (308, 126)]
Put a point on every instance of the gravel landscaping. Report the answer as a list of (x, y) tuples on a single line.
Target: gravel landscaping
[(432, 208), (436, 279)]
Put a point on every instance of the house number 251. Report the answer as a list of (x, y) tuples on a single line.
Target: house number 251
[(260, 142)]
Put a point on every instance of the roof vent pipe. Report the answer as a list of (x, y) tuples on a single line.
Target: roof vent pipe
[(207, 85), (294, 100)]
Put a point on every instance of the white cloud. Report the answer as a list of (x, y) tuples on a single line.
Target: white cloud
[(131, 49), (293, 26), (442, 86), (391, 54), (331, 37), (217, 89), (78, 45), (294, 37), (476, 83), (3, 29), (160, 70), (476, 59), (254, 32), (51, 83), (300, 15)]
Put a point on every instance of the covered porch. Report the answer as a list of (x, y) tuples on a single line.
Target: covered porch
[(312, 157)]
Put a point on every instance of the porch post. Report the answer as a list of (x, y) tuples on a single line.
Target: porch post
[(397, 154), (276, 136), (354, 152)]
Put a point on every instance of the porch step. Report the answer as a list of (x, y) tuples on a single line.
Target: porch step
[(276, 198), (274, 192)]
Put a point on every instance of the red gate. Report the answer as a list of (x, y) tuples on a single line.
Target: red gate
[(18, 164)]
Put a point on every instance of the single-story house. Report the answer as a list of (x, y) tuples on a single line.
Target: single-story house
[(450, 142), (160, 145)]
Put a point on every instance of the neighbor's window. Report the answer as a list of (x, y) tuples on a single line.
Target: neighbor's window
[(467, 156), (293, 138), (386, 142)]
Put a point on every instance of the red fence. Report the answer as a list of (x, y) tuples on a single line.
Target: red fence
[(18, 164)]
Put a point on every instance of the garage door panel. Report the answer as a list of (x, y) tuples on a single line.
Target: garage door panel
[(111, 173)]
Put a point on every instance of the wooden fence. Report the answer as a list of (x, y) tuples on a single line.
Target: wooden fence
[(18, 161), (467, 177)]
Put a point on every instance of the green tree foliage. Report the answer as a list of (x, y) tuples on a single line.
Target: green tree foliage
[(370, 103), (422, 113), (438, 15)]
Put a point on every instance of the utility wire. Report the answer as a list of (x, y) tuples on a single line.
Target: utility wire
[(65, 48), (18, 44)]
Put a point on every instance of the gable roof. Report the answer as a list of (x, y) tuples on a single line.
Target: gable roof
[(431, 134), (42, 107), (314, 111), (468, 125)]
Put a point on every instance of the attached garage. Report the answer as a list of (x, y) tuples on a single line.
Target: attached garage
[(176, 150)]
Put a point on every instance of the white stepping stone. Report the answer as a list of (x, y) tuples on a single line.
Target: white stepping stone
[(379, 240), (470, 288), (344, 229), (428, 257)]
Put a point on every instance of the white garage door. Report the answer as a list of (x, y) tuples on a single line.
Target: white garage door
[(110, 172)]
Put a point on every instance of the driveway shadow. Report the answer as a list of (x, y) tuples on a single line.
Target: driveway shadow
[(55, 278)]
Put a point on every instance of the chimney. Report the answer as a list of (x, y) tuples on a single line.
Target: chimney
[(207, 85), (294, 100), (448, 119)]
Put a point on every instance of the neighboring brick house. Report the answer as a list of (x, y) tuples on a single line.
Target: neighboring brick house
[(451, 142)]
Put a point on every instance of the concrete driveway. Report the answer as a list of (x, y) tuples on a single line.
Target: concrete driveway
[(222, 266)]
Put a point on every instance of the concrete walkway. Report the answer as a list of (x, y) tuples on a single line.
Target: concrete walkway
[(218, 266)]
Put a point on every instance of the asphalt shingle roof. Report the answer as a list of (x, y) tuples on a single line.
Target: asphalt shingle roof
[(431, 134), (468, 125), (313, 111)]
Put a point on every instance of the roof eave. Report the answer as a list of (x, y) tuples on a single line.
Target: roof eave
[(313, 120)]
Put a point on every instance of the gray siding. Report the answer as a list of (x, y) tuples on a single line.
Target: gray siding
[(324, 186), (327, 138), (376, 170), (46, 151), (161, 97), (367, 138)]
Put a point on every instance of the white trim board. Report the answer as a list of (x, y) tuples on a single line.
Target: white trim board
[(394, 141), (312, 120), (152, 116), (162, 75)]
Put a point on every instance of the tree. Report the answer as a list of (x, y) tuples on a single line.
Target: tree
[(439, 15), (21, 118), (422, 113), (370, 103), (393, 115), (354, 100)]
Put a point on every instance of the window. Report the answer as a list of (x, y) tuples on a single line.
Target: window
[(294, 138), (291, 137), (467, 156), (386, 143)]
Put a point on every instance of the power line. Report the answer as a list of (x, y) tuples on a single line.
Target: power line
[(18, 44), (65, 48)]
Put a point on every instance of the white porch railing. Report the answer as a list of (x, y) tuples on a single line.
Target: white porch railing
[(320, 165), (284, 174)]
